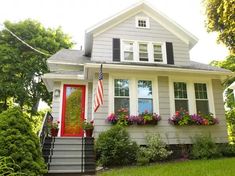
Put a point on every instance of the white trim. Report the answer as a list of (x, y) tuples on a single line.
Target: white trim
[(144, 18), (191, 93)]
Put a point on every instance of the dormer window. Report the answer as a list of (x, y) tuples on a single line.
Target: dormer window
[(142, 22)]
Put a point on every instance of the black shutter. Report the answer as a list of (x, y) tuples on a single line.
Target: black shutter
[(116, 49), (169, 53)]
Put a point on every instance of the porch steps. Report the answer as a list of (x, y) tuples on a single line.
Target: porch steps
[(69, 156)]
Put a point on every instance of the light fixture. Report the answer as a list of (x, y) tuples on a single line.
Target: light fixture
[(57, 92)]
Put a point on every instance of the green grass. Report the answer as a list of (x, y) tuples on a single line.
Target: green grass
[(219, 167)]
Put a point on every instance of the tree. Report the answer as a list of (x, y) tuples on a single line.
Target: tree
[(221, 18), (21, 67)]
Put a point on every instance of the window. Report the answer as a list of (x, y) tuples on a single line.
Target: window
[(128, 51), (202, 104), (181, 97), (145, 97), (157, 53), (121, 94), (143, 52), (142, 22)]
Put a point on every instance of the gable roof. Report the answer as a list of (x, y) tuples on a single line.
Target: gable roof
[(147, 8)]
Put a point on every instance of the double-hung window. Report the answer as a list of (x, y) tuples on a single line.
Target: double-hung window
[(181, 97), (143, 52), (202, 104), (128, 51), (121, 94), (145, 96), (157, 53)]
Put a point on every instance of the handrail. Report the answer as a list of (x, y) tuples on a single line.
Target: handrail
[(44, 129)]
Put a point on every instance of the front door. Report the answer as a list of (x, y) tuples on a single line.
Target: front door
[(73, 110)]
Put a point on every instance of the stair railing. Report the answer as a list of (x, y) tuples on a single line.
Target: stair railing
[(44, 129)]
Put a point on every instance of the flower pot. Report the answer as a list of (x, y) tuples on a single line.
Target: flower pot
[(89, 132), (54, 132)]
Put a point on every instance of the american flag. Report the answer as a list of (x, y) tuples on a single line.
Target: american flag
[(99, 96)]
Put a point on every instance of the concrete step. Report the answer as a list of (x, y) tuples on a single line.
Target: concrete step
[(71, 166), (71, 159), (69, 173)]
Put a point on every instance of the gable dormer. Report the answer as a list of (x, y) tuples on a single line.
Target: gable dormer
[(139, 34)]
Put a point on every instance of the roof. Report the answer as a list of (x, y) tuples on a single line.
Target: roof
[(147, 8), (68, 56), (76, 57)]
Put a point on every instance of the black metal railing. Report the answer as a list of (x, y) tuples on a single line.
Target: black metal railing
[(44, 130)]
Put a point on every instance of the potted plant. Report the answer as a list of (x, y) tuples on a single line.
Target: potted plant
[(88, 127), (53, 127)]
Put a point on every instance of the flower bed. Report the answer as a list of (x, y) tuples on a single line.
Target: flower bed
[(184, 118), (122, 118)]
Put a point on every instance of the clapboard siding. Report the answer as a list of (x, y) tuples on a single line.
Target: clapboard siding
[(56, 102), (102, 44)]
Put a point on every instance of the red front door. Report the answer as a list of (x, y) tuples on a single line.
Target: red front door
[(73, 110)]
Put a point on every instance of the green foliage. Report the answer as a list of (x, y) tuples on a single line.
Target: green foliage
[(221, 18), (21, 68), (114, 147), (155, 151), (204, 148), (18, 141), (7, 166), (227, 150), (230, 117)]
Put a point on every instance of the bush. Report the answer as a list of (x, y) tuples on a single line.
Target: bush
[(114, 147), (227, 150), (18, 141), (7, 166), (155, 151), (204, 148)]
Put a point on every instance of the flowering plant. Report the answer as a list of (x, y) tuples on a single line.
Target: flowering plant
[(88, 125), (183, 118), (122, 118), (53, 124)]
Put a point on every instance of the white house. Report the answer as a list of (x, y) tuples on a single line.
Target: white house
[(137, 46)]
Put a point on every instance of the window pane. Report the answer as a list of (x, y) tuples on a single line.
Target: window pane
[(121, 87), (181, 105), (180, 90), (145, 105), (141, 23), (128, 55), (120, 103), (128, 46), (157, 53), (144, 89), (143, 52), (202, 106), (200, 91)]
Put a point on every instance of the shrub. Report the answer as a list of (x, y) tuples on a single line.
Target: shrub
[(155, 151), (18, 141), (204, 148), (114, 147), (7, 166), (227, 150)]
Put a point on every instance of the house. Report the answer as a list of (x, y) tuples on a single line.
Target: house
[(138, 46)]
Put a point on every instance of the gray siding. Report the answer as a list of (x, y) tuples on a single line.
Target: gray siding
[(56, 101), (102, 44), (170, 134)]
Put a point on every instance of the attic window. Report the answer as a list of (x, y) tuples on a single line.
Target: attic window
[(142, 22)]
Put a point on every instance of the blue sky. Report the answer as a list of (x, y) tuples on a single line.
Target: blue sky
[(75, 16)]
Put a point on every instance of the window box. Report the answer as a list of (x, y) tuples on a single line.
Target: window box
[(182, 118), (122, 118)]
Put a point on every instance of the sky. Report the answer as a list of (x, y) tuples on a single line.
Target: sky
[(75, 16)]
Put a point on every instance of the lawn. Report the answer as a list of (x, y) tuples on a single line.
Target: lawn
[(218, 167)]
